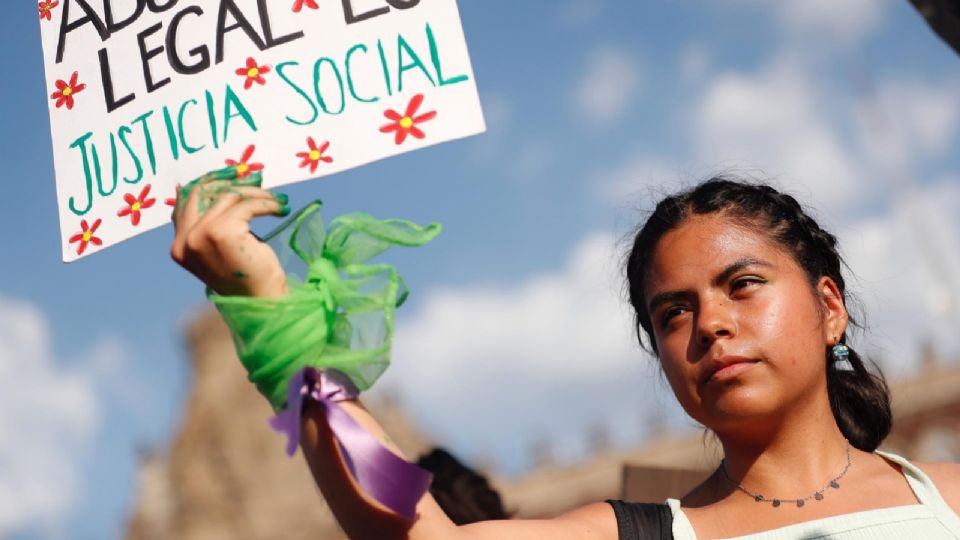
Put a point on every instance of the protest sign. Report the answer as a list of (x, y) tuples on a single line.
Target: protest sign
[(148, 94)]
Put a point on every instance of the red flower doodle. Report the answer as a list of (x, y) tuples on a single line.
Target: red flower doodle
[(172, 201), (85, 236), (66, 91), (244, 167), (299, 4), (253, 73), (314, 155), (135, 205), (407, 124), (45, 7)]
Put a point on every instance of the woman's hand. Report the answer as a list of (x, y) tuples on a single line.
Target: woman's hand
[(213, 239)]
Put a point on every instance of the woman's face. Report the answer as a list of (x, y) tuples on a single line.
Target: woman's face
[(740, 332)]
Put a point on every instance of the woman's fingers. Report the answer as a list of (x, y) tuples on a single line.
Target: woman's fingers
[(247, 209), (197, 199), (192, 201), (215, 224), (225, 197), (213, 239), (191, 192), (222, 228)]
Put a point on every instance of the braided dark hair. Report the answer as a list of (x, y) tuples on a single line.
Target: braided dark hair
[(859, 397)]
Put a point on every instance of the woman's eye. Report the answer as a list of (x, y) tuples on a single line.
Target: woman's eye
[(671, 313), (746, 283)]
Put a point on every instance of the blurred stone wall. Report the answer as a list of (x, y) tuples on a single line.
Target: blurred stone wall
[(226, 475)]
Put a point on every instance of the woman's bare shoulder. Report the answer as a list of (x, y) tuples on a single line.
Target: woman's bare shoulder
[(946, 476)]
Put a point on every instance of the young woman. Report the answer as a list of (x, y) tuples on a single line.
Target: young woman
[(740, 295)]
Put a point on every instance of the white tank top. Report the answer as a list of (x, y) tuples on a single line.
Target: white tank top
[(931, 519)]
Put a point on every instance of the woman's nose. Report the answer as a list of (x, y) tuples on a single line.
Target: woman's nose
[(715, 321)]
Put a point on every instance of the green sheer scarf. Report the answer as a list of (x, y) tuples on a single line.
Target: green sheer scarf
[(339, 312)]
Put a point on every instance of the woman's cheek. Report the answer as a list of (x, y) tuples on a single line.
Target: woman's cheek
[(767, 320), (779, 320), (681, 376)]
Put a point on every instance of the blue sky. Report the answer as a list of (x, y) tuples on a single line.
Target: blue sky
[(593, 107)]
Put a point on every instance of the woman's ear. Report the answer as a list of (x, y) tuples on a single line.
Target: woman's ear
[(835, 312)]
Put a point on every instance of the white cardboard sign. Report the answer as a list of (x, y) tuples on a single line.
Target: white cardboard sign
[(148, 94)]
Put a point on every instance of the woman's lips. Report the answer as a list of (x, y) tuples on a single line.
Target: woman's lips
[(731, 371)]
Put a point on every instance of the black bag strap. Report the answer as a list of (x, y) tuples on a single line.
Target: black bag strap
[(643, 521)]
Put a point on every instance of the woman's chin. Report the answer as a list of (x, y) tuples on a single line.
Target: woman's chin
[(736, 404)]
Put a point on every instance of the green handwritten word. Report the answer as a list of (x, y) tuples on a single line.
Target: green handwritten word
[(136, 142), (333, 84)]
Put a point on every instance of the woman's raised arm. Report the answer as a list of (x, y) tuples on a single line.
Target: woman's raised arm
[(213, 241)]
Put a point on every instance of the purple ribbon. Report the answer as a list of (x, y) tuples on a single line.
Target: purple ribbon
[(388, 478)]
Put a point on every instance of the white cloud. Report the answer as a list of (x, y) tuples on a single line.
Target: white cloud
[(532, 159), (499, 115), (776, 121), (907, 267), (693, 61), (48, 416), (497, 112), (608, 86), (844, 21), (820, 27), (779, 123), (548, 358), (924, 115), (574, 13), (634, 180)]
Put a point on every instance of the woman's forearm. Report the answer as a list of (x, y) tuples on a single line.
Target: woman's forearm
[(360, 515)]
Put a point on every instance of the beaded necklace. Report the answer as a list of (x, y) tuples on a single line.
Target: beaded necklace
[(776, 502)]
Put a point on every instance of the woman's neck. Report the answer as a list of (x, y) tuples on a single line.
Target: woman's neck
[(792, 459)]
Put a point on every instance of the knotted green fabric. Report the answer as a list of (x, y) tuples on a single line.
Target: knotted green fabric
[(339, 311)]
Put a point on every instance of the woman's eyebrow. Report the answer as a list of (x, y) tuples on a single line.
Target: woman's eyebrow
[(722, 277), (665, 297), (738, 265)]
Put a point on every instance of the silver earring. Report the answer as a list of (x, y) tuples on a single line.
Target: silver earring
[(840, 354)]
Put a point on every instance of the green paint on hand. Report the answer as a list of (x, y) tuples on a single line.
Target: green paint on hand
[(209, 196), (226, 173), (240, 275), (254, 179)]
